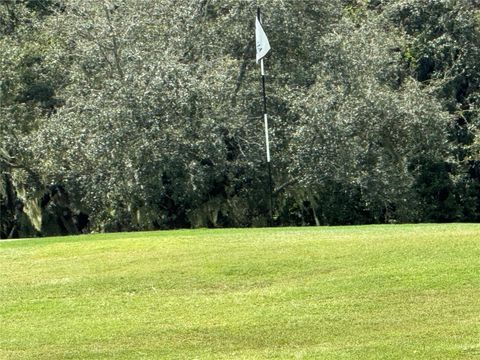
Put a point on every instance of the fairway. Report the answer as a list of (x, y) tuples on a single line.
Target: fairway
[(368, 292)]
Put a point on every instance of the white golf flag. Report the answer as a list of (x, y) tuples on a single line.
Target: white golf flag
[(263, 46)]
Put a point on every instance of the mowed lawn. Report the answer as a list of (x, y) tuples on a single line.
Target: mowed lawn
[(369, 292)]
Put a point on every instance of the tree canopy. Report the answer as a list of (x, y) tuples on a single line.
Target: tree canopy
[(127, 115)]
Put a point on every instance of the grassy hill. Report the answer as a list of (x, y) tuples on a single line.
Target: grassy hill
[(370, 292)]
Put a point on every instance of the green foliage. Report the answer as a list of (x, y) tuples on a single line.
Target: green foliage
[(27, 97), (148, 114), (363, 123)]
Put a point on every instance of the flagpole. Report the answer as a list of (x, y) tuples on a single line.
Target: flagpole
[(267, 142)]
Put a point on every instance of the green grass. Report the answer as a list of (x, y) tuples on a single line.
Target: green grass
[(370, 292)]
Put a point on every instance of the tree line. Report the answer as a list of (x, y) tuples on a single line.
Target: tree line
[(142, 114)]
